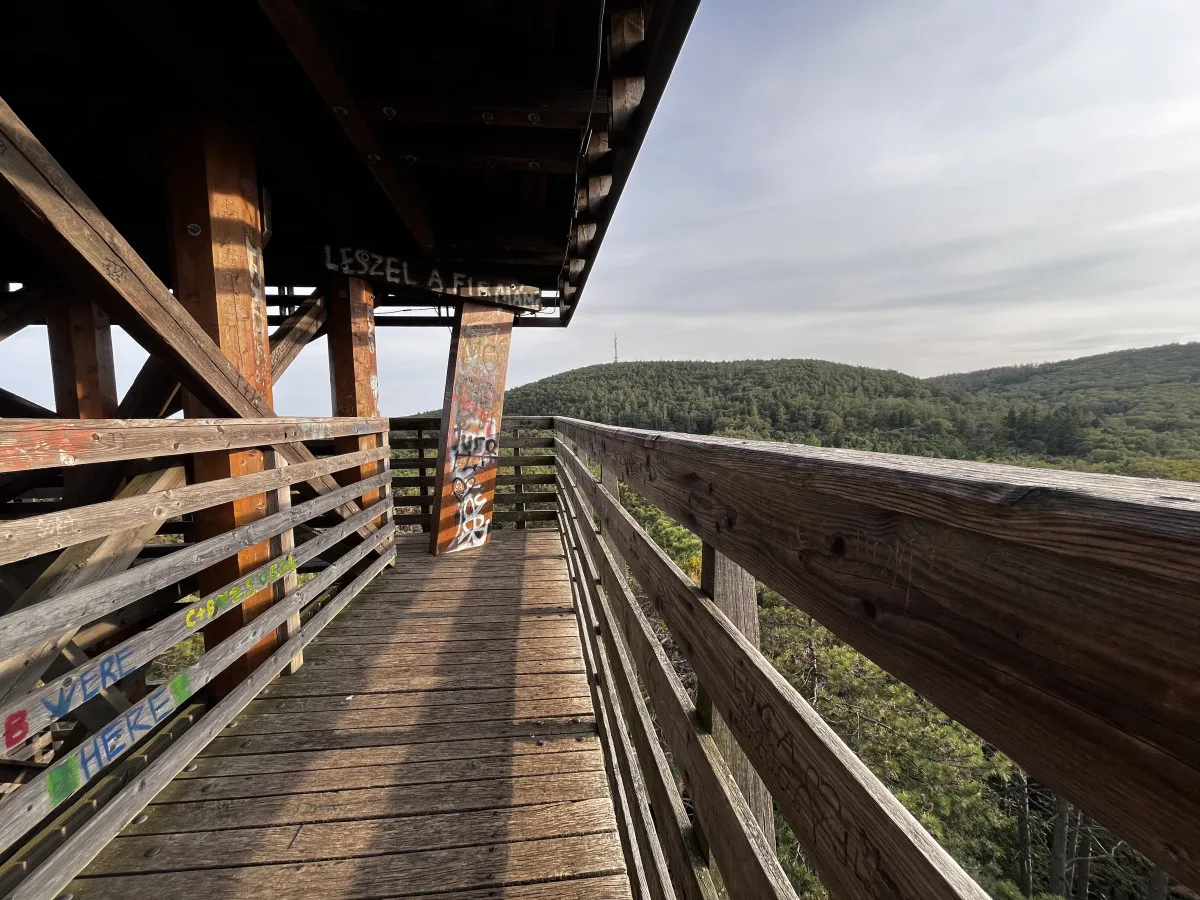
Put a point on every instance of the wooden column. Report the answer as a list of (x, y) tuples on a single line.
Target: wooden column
[(216, 256), (465, 488), (353, 369), (732, 590), (81, 356), (85, 382)]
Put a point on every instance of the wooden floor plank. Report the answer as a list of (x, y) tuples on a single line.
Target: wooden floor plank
[(426, 602), (223, 786), (367, 803), (467, 715), (487, 619), (355, 680), (502, 632), (448, 658), (344, 840), (532, 687), (495, 749), (378, 737), (611, 887), (462, 643), (395, 875)]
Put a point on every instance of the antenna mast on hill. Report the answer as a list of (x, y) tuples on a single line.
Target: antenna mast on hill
[(615, 357)]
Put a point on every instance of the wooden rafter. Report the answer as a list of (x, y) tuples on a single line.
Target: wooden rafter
[(563, 109), (27, 306), (302, 38), (294, 333), (13, 406), (632, 105), (37, 195)]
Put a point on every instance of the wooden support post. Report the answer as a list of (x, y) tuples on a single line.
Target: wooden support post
[(465, 488), (85, 380), (353, 370), (216, 255), (285, 542), (732, 589), (81, 357)]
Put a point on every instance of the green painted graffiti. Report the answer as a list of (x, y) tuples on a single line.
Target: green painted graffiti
[(63, 780), (181, 688)]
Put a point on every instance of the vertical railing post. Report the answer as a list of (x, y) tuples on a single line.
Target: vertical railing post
[(283, 543), (425, 490), (518, 504), (609, 481), (386, 492), (732, 589)]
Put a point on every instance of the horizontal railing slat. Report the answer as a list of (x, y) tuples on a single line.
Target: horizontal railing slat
[(1052, 613), (54, 700), (861, 839), (645, 866), (31, 626), (689, 872), (37, 798), (42, 443), (42, 534)]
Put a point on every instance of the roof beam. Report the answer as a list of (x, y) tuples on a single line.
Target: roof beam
[(303, 40), (572, 110), (639, 69)]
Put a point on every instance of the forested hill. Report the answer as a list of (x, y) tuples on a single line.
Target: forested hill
[(1135, 411)]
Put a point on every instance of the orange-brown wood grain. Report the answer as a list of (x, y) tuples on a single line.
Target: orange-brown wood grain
[(216, 255), (465, 487)]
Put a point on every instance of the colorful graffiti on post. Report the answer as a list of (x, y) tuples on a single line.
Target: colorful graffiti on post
[(476, 400)]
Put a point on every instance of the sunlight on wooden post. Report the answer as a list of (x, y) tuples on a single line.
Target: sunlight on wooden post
[(216, 256), (465, 489), (353, 370)]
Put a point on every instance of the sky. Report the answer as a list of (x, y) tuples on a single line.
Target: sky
[(930, 186)]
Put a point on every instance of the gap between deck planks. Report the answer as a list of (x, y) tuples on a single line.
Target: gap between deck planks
[(440, 738)]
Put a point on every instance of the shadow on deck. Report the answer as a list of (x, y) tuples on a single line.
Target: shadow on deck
[(439, 739)]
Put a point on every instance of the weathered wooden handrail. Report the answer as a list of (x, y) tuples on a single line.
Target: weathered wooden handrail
[(33, 635), (27, 444), (1053, 613), (861, 839)]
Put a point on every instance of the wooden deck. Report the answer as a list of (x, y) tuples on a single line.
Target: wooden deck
[(439, 739)]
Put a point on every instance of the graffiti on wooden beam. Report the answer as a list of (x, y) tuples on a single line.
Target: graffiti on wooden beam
[(102, 748), (393, 270), (473, 442)]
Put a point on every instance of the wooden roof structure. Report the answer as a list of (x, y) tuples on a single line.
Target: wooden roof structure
[(442, 144)]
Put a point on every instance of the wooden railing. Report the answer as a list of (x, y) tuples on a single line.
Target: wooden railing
[(525, 483), (77, 640), (1055, 614)]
